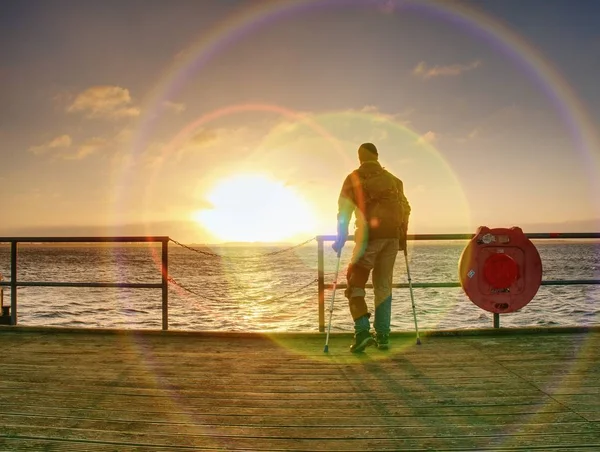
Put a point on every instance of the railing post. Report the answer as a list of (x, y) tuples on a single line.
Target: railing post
[(165, 284), (321, 283), (13, 282), (496, 320)]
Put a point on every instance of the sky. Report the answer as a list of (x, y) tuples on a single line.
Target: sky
[(238, 120)]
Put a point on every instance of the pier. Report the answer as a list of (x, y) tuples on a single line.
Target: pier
[(106, 390), (495, 389)]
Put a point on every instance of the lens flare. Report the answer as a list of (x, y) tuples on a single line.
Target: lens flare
[(475, 23)]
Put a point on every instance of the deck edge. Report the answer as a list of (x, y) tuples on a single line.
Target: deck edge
[(249, 334)]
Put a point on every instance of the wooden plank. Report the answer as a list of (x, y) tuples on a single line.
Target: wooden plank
[(190, 438), (67, 446), (138, 392), (284, 408), (590, 399), (315, 419), (59, 445), (427, 427), (592, 416), (379, 390), (336, 385), (318, 374)]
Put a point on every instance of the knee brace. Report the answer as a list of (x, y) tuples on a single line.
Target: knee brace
[(358, 308), (357, 277)]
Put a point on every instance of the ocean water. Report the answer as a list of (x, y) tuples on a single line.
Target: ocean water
[(251, 289)]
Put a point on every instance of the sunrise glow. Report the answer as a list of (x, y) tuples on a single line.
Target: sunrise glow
[(255, 208)]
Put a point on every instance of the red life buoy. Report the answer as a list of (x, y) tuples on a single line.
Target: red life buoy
[(500, 269)]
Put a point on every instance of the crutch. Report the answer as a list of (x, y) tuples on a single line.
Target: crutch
[(412, 298), (337, 271)]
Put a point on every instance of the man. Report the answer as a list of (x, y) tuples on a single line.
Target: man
[(376, 197)]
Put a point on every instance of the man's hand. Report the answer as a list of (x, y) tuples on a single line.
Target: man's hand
[(339, 243), (342, 234), (402, 245)]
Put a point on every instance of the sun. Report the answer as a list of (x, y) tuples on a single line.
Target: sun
[(255, 208)]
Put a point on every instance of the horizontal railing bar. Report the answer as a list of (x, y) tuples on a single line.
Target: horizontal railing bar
[(401, 286), (331, 238), (533, 235), (571, 282), (85, 284), (327, 286), (563, 235), (154, 238)]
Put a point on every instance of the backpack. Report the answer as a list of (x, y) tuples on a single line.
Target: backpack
[(381, 199)]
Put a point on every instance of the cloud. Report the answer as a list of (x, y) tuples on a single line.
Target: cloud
[(204, 137), (62, 147), (175, 107), (378, 116), (88, 147), (453, 70), (427, 138), (200, 140), (61, 141), (124, 136), (104, 101)]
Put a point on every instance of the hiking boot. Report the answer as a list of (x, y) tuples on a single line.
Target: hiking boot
[(361, 341), (383, 341)]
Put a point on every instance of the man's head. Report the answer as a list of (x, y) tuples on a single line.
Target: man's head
[(367, 152)]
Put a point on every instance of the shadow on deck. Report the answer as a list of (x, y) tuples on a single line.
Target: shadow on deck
[(99, 391)]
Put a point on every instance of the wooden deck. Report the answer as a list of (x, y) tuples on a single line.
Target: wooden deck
[(97, 391)]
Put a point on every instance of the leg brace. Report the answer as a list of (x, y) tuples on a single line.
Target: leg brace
[(357, 277)]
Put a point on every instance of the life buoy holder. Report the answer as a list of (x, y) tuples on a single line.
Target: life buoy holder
[(500, 269)]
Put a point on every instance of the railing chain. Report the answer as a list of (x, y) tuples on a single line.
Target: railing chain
[(254, 256)]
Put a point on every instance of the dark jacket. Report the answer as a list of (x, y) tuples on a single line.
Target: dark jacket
[(376, 197)]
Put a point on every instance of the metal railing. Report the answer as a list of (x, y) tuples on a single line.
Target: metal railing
[(14, 282), (322, 286)]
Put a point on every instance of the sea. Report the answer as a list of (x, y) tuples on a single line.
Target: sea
[(274, 289)]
